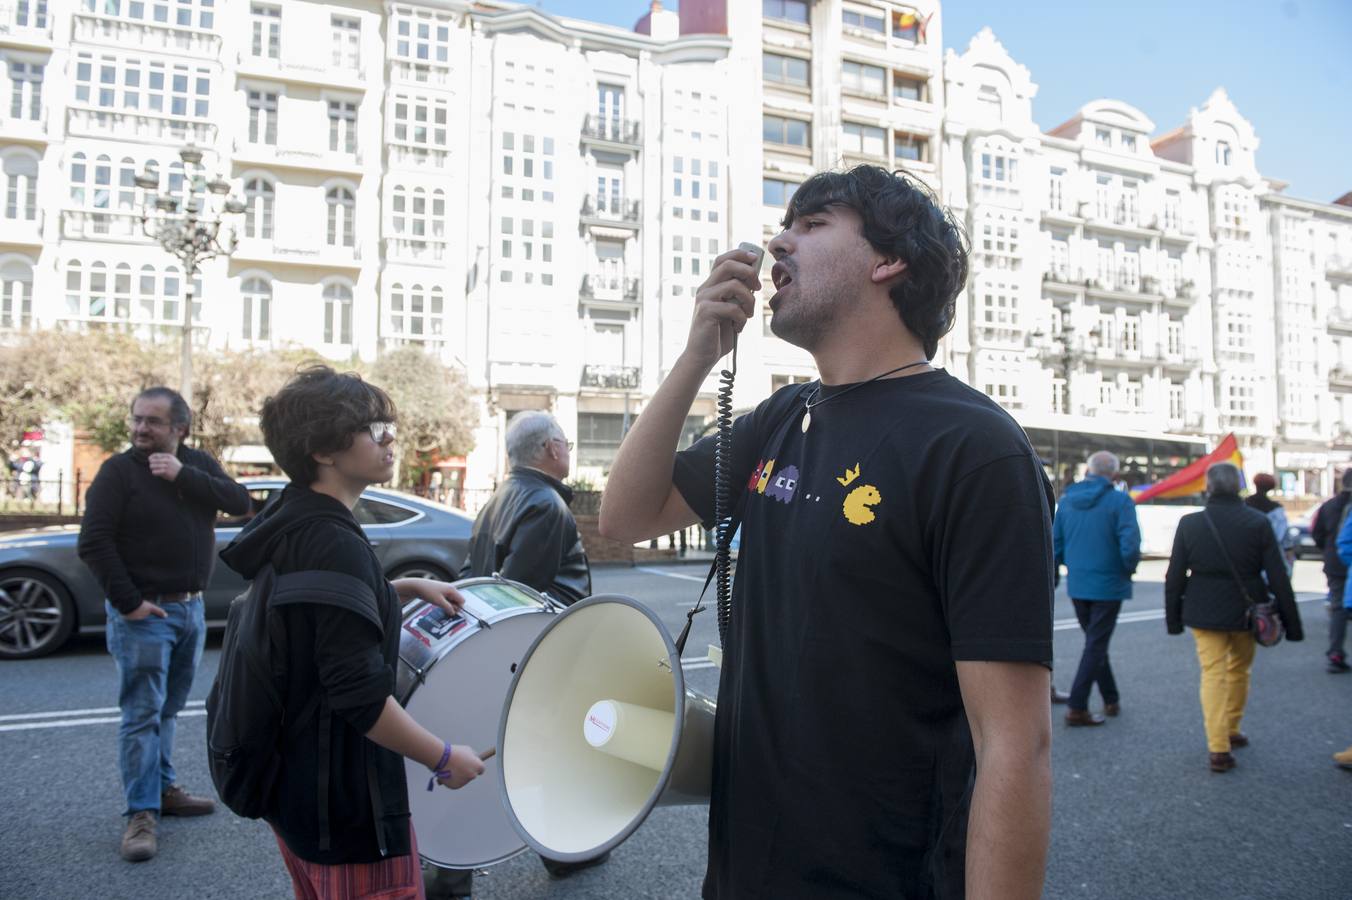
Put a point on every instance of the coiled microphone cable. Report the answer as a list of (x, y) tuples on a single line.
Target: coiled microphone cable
[(723, 498)]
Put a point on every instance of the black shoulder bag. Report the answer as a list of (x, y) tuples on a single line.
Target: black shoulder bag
[(1263, 620)]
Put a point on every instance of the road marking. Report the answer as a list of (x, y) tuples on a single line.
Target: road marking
[(694, 578), (1153, 615), (70, 723), (100, 711)]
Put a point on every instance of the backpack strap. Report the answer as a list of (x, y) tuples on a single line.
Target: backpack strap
[(325, 738), (328, 589), (347, 592)]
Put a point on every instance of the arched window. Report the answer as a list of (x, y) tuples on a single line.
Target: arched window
[(74, 287), (126, 184), (342, 209), (98, 291), (399, 209), (257, 294), (122, 292), (259, 196), (16, 295), (438, 213), (419, 218), (21, 187), (146, 294), (337, 313), (173, 294), (103, 182), (396, 309), (79, 178)]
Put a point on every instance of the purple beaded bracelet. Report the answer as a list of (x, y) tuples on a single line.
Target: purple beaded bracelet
[(440, 770)]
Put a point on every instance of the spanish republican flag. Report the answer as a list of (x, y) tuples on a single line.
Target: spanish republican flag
[(1192, 480)]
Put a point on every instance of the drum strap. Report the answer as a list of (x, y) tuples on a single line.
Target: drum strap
[(325, 735)]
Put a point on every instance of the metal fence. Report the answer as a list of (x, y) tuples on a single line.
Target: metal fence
[(59, 496)]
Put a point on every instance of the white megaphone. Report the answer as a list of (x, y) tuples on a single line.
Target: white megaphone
[(598, 729)]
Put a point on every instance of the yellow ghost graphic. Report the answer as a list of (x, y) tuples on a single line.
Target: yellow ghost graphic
[(765, 477), (857, 504)]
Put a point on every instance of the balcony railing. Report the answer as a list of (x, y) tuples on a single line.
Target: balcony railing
[(1339, 265), (611, 209), (147, 126), (1341, 375), (146, 34), (611, 378), (323, 160), (112, 224), (315, 69), (281, 251), (415, 249), (609, 286), (616, 131)]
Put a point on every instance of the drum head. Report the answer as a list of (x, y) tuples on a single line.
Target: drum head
[(461, 701)]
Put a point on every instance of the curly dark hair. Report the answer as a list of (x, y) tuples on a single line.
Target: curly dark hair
[(319, 411), (901, 217)]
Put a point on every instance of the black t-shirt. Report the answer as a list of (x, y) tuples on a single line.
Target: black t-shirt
[(908, 529)]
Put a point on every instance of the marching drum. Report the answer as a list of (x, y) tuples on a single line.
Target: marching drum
[(454, 674)]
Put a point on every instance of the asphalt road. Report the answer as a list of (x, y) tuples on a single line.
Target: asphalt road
[(1137, 815)]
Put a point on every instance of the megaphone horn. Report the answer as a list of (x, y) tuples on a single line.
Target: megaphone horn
[(599, 729)]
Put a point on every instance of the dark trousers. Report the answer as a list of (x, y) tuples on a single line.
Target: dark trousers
[(1097, 619), (1337, 616)]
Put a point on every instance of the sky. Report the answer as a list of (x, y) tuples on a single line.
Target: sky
[(1285, 64)]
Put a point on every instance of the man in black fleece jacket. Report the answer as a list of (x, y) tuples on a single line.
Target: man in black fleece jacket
[(148, 535), (340, 810)]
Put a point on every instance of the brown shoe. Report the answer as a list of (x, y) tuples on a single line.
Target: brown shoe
[(1239, 739), (1222, 762), (1112, 709), (177, 802), (1079, 717), (138, 841)]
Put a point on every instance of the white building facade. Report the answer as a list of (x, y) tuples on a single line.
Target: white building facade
[(535, 200)]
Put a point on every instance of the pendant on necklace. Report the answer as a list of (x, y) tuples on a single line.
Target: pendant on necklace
[(807, 420)]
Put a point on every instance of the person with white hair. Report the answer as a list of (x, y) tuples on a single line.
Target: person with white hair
[(527, 532), (1216, 570), (1096, 536)]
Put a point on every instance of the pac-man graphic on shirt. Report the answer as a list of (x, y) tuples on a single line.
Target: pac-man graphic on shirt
[(859, 504), (765, 476), (783, 485)]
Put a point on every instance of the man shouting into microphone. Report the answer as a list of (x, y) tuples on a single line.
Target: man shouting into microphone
[(883, 723), (148, 535)]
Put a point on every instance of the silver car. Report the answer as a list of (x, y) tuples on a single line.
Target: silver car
[(47, 594)]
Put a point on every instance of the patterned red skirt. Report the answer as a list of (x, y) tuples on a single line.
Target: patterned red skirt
[(397, 878)]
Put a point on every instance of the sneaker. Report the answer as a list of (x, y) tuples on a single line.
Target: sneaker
[(138, 841), (1344, 758), (177, 802), (1338, 664)]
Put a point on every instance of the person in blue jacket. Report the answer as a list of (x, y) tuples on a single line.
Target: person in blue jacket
[(1096, 537)]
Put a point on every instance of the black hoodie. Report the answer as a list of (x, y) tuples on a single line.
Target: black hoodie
[(338, 652)]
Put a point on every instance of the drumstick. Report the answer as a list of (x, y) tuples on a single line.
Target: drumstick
[(488, 754)]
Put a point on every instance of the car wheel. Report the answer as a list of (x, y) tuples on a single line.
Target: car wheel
[(420, 570), (36, 614)]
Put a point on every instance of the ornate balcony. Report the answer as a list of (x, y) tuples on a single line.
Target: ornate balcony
[(598, 210), (94, 122), (626, 133), (97, 28), (610, 286), (611, 378)]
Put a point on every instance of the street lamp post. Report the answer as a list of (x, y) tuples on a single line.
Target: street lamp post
[(1067, 349), (190, 228)]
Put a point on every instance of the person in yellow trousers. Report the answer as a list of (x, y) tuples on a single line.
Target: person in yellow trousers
[(1217, 550)]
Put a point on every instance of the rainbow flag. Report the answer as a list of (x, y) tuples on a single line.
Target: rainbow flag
[(1192, 480)]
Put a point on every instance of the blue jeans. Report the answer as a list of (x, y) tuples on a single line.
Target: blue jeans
[(1097, 618), (156, 661)]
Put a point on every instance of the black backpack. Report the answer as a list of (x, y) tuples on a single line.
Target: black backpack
[(246, 715)]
